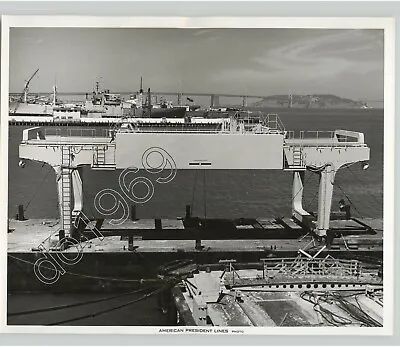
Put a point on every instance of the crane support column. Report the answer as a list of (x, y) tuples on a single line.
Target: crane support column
[(63, 177), (327, 176), (297, 197), (69, 181), (77, 186)]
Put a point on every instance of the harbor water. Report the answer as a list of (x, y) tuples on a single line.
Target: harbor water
[(216, 194), (221, 193)]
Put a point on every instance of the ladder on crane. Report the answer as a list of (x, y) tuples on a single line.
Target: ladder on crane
[(297, 157), (100, 161), (297, 163), (65, 178)]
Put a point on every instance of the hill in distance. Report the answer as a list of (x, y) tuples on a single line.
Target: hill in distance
[(309, 101)]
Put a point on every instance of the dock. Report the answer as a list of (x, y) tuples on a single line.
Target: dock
[(208, 299), (171, 235), (136, 251)]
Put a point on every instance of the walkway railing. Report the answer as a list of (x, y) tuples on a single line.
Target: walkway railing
[(342, 136), (77, 132), (273, 122), (310, 134)]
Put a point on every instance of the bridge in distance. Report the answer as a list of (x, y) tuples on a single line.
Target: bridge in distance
[(214, 97)]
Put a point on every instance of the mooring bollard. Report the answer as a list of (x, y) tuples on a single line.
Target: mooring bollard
[(61, 238), (61, 235), (188, 212), (158, 225), (198, 245), (20, 213), (133, 213), (130, 243)]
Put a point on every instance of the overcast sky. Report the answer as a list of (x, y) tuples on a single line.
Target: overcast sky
[(347, 63)]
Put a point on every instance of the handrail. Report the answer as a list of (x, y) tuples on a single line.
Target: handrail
[(342, 136), (273, 122), (35, 133), (77, 132)]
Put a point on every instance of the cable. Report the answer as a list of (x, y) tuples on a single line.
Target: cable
[(89, 195), (379, 203), (302, 188), (26, 273), (92, 315), (356, 177), (352, 310), (88, 276), (344, 193), (357, 312), (205, 195), (66, 306), (334, 319), (194, 189), (38, 189), (312, 200)]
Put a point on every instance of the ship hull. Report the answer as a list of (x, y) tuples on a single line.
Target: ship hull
[(174, 112), (30, 110)]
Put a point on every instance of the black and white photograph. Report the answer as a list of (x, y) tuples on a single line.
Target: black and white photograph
[(212, 178)]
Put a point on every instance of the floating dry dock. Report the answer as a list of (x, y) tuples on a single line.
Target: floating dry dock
[(136, 250), (314, 268), (144, 235), (234, 144)]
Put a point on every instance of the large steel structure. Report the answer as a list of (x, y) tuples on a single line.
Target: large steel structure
[(233, 144)]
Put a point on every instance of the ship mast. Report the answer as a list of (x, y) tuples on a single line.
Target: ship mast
[(180, 93), (54, 95), (54, 91), (140, 98)]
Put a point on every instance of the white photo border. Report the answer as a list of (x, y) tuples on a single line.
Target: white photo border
[(385, 23)]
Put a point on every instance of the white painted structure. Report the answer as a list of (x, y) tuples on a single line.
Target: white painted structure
[(232, 145)]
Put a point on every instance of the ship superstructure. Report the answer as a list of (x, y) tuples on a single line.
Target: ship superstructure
[(232, 144)]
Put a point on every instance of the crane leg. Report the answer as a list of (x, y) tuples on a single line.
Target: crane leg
[(298, 211), (327, 176)]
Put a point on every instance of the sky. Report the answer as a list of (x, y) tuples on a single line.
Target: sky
[(346, 63)]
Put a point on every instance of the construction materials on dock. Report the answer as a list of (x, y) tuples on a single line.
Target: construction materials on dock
[(301, 291)]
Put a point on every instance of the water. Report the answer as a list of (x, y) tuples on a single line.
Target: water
[(225, 194), (244, 193), (141, 313)]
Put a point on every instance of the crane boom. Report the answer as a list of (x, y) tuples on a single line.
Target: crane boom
[(29, 81), (24, 96)]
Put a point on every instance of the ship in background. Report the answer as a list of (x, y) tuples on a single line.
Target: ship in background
[(109, 105), (102, 104), (30, 106)]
